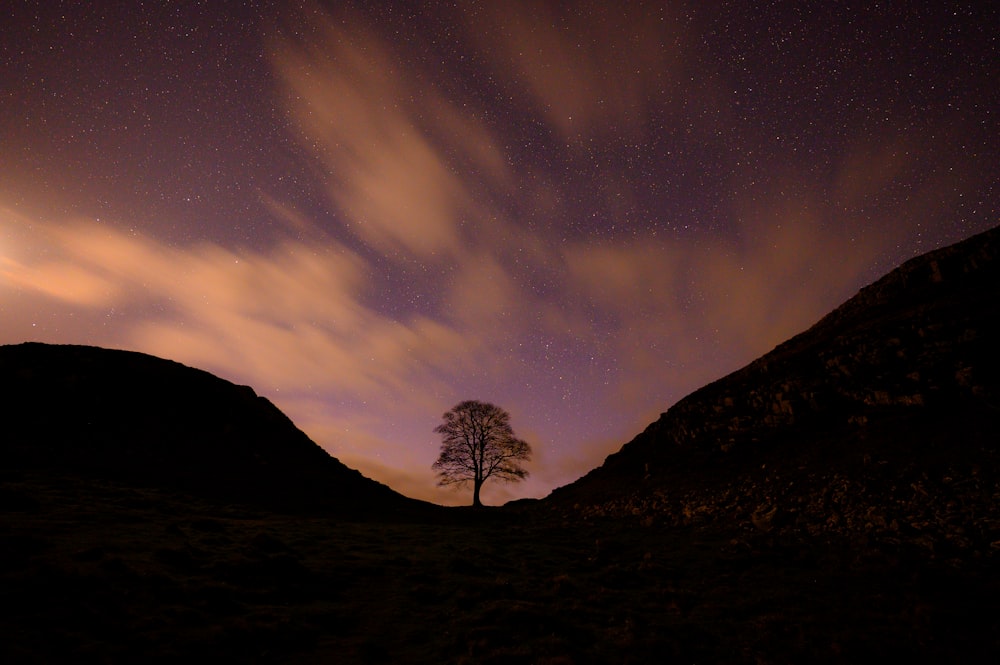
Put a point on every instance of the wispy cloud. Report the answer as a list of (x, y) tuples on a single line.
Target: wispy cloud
[(455, 261), (595, 71), (389, 147)]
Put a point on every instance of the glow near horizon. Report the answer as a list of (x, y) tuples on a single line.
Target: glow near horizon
[(577, 223)]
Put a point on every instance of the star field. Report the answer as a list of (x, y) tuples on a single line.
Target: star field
[(577, 211)]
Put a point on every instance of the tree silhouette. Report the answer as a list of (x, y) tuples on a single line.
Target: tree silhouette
[(477, 443)]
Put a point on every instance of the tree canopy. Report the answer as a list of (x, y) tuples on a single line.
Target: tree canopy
[(478, 443)]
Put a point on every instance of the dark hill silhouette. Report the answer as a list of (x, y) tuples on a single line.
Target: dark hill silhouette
[(134, 417), (833, 502), (883, 419)]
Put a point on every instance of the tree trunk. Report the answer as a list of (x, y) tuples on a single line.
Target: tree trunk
[(476, 503)]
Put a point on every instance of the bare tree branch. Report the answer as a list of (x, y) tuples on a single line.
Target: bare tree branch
[(478, 443)]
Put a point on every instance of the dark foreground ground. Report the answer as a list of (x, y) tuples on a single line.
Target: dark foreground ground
[(98, 572)]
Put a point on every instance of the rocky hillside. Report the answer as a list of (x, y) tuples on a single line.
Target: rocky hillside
[(133, 417), (880, 422)]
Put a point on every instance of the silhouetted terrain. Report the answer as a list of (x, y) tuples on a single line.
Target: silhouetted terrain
[(882, 422), (130, 416), (833, 502)]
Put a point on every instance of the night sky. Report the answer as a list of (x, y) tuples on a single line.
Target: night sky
[(577, 211)]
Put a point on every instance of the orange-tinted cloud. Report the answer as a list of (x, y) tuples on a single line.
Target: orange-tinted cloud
[(389, 148), (595, 70), (458, 257), (283, 319)]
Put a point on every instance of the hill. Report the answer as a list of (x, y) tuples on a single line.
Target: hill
[(132, 417), (832, 502), (880, 423)]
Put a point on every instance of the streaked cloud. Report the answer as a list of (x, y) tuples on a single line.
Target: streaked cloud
[(597, 71), (574, 227), (378, 135)]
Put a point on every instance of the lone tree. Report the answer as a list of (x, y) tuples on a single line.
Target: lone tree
[(477, 443)]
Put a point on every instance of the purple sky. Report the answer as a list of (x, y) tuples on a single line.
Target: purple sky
[(577, 211)]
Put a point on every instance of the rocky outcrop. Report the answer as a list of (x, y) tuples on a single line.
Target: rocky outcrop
[(880, 421)]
